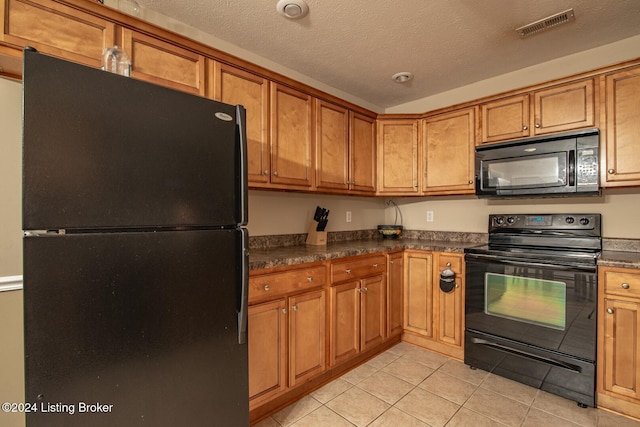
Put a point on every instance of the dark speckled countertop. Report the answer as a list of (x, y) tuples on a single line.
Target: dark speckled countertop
[(619, 259), (299, 254)]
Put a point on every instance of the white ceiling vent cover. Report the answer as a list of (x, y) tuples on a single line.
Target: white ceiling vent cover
[(546, 23)]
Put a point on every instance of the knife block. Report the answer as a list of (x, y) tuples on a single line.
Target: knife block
[(314, 237)]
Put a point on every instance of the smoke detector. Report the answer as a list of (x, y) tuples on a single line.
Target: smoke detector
[(292, 9), (402, 77), (546, 23)]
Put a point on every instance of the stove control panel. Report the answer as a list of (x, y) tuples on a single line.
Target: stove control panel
[(544, 222)]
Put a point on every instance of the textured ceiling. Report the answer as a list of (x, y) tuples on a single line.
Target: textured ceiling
[(357, 45)]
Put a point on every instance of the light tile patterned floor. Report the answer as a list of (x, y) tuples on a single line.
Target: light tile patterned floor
[(407, 386)]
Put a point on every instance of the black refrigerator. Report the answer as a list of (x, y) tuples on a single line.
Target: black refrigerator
[(135, 252)]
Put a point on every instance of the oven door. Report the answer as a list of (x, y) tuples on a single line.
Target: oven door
[(533, 322), (548, 306)]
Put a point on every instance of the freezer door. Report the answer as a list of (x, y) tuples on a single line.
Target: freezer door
[(143, 326), (106, 151)]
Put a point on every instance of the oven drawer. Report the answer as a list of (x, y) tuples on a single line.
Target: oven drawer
[(358, 268), (268, 286), (622, 283)]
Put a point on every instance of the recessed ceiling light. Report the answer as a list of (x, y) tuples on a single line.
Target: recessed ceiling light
[(292, 9), (402, 77)]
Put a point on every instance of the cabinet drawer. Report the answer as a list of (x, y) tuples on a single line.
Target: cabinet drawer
[(621, 283), (268, 286), (356, 268)]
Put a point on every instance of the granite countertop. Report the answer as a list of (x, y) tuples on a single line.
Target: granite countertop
[(619, 259), (299, 254)]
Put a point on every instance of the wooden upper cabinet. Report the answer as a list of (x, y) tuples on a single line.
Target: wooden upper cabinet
[(621, 166), (506, 118), (234, 86), (57, 30), (449, 152), (556, 109), (332, 146), (398, 157), (163, 63), (566, 107), (362, 153), (291, 137)]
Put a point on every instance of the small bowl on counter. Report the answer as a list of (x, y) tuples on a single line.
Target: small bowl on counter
[(390, 231)]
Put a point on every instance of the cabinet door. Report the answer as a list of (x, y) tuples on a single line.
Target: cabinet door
[(332, 146), (235, 86), (362, 152), (398, 157), (418, 293), (449, 306), (163, 63), (291, 137), (449, 152), (57, 30), (345, 322), (506, 118), (621, 347), (394, 294), (306, 336), (622, 129), (267, 350), (564, 108), (373, 327)]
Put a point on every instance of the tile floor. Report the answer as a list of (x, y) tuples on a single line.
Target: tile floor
[(407, 386)]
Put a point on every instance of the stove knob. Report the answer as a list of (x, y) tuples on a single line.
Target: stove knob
[(511, 220), (500, 220), (584, 221), (570, 220)]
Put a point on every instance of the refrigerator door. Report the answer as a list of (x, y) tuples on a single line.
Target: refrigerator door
[(106, 151), (135, 329)]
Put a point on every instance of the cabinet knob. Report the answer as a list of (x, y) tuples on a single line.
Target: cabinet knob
[(365, 289), (275, 173), (284, 311), (470, 181), (625, 286), (294, 307), (267, 287), (375, 265), (610, 310), (391, 262), (310, 279), (538, 125), (525, 127), (611, 171), (348, 270), (265, 172)]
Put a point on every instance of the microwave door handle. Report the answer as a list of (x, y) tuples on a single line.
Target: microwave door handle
[(572, 168)]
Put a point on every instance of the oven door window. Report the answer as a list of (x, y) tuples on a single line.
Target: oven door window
[(535, 171), (530, 300)]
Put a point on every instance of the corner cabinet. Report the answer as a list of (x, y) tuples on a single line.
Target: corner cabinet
[(622, 122), (433, 318), (398, 161), (449, 152), (56, 29), (555, 109), (619, 340), (395, 280)]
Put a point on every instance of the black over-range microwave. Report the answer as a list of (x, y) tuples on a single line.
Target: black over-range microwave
[(558, 165)]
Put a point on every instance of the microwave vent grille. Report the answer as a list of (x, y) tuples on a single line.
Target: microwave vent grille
[(546, 23)]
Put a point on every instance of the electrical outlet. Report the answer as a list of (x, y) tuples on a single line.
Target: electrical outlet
[(348, 216), (429, 216)]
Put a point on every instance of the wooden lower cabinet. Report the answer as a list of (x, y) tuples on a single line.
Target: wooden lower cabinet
[(434, 319), (395, 279), (619, 340), (286, 344)]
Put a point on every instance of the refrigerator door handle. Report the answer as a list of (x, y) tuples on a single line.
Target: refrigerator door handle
[(244, 289), (241, 119)]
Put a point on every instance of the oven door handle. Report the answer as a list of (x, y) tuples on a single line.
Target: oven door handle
[(502, 260), (526, 354)]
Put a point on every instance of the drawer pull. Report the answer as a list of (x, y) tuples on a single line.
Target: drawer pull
[(348, 270), (625, 286), (610, 310), (267, 287), (375, 265), (310, 279)]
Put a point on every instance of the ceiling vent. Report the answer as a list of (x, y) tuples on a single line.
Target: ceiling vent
[(546, 23)]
